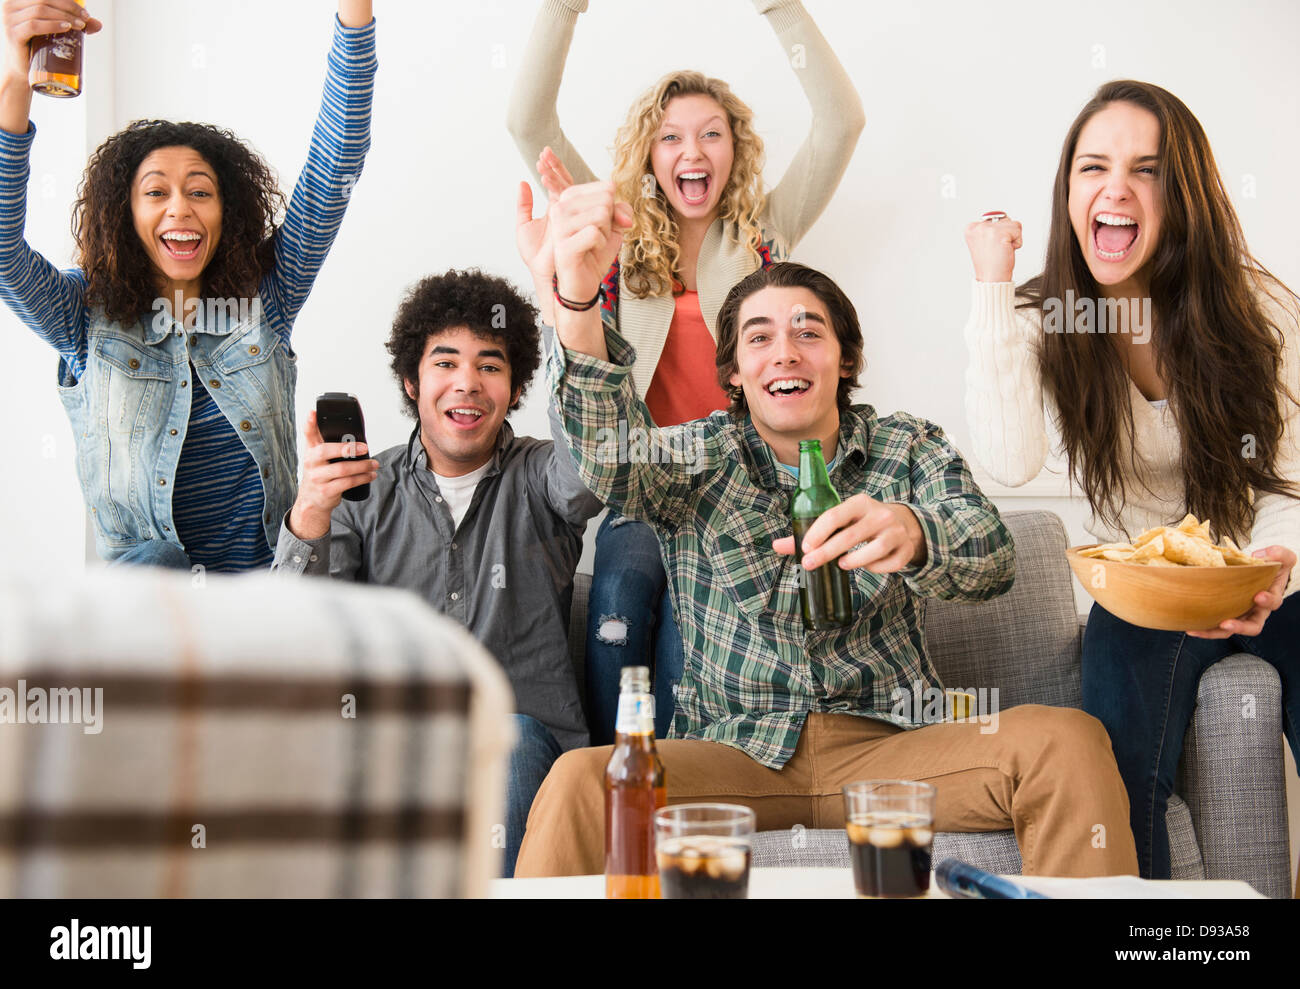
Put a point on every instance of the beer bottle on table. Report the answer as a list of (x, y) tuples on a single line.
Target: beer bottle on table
[(56, 64), (634, 790), (823, 593)]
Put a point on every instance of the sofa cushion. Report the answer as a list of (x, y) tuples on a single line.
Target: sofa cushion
[(1024, 643)]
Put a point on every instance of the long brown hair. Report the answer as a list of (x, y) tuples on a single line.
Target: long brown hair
[(1214, 344)]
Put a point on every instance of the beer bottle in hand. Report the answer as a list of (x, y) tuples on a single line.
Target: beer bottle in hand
[(634, 790), (823, 593), (55, 68)]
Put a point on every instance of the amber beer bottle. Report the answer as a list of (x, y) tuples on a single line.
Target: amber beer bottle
[(56, 64), (634, 790), (823, 593)]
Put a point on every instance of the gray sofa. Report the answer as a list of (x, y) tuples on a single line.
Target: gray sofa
[(1228, 819)]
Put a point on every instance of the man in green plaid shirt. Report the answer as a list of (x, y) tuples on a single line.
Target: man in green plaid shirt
[(767, 714)]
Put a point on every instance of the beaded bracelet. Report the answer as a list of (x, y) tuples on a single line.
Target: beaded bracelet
[(569, 303)]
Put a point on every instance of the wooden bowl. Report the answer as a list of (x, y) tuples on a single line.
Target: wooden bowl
[(1173, 599)]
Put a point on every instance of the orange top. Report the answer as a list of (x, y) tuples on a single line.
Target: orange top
[(685, 385)]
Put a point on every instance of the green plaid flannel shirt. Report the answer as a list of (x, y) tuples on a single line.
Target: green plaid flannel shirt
[(716, 499)]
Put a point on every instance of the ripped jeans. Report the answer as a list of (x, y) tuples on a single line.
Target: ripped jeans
[(629, 623)]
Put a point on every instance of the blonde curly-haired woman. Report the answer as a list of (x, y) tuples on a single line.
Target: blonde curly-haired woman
[(690, 162)]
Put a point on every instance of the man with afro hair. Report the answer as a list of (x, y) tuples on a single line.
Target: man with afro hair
[(485, 525)]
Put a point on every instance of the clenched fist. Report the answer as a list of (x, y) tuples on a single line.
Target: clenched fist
[(993, 248), (587, 227)]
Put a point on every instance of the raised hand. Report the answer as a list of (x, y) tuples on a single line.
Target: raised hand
[(323, 483), (993, 248), (887, 537), (587, 227), (555, 177), (24, 20), (531, 236)]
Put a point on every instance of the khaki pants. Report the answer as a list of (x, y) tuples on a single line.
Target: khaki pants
[(1048, 772)]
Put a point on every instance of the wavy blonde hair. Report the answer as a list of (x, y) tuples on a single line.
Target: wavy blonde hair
[(655, 253)]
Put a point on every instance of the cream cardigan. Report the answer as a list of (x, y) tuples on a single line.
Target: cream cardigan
[(1007, 414), (792, 206)]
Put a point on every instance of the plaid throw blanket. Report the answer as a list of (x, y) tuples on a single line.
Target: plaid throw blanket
[(162, 736)]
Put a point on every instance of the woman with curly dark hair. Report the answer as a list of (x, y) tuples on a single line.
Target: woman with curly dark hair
[(173, 332)]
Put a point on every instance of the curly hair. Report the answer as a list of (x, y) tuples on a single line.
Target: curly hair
[(654, 250), (490, 307), (788, 274), (120, 277)]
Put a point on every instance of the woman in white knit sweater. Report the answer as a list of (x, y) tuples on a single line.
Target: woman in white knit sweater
[(1188, 404)]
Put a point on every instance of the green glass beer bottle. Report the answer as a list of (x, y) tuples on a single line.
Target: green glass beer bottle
[(823, 593)]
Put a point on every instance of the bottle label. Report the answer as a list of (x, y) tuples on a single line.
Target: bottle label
[(636, 713)]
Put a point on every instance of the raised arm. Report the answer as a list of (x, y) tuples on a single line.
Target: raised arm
[(613, 438), (805, 190), (50, 302), (1004, 388), (531, 116), (339, 144)]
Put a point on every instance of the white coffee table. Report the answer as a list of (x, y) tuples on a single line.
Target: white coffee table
[(837, 884)]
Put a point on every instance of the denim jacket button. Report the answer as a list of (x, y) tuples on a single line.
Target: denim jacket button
[(215, 383), (162, 480), (172, 431), (184, 383), (245, 425), (255, 350), (133, 364)]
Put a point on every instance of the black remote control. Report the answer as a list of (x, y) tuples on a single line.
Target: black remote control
[(339, 419)]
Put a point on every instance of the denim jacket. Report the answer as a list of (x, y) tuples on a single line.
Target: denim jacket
[(139, 376), (127, 388)]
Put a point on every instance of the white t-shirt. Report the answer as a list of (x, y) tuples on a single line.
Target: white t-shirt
[(459, 491)]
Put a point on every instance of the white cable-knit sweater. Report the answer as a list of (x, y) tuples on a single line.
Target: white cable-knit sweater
[(1008, 419)]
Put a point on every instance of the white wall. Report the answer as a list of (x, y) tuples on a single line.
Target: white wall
[(966, 106)]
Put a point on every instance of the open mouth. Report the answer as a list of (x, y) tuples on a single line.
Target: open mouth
[(181, 245), (694, 187), (788, 388), (465, 417), (1113, 235)]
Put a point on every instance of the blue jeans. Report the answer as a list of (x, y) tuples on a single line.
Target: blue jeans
[(155, 553), (629, 623), (530, 761), (1141, 684)]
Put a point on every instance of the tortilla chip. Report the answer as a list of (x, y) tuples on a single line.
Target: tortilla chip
[(1234, 556), (1183, 548), (1118, 555), (1151, 550), (1102, 548), (1160, 561), (1149, 535)]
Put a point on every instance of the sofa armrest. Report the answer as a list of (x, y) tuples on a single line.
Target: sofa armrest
[(1232, 775)]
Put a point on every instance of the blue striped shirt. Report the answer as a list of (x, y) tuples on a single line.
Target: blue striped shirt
[(217, 499)]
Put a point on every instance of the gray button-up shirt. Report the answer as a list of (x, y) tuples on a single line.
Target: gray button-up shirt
[(506, 573)]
